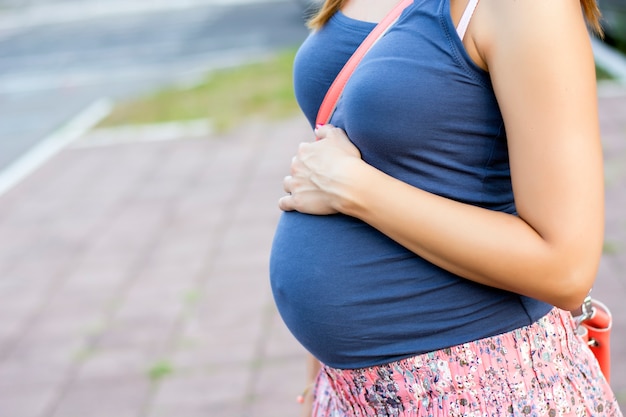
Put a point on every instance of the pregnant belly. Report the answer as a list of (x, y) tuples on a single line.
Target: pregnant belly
[(339, 284), (354, 298), (322, 260)]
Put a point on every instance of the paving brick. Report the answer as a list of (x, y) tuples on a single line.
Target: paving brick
[(30, 402), (115, 364), (277, 385), (119, 397), (220, 389), (217, 339), (148, 334)]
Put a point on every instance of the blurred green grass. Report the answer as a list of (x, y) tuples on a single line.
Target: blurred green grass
[(226, 97), (601, 74)]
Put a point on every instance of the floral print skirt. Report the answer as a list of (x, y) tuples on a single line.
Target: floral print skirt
[(543, 369)]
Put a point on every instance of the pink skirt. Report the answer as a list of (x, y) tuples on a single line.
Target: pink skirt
[(543, 369)]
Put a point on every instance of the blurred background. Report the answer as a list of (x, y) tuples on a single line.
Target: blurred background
[(59, 57), (614, 22), (142, 147)]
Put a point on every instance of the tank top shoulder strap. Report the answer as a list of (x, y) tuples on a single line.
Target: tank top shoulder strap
[(465, 19)]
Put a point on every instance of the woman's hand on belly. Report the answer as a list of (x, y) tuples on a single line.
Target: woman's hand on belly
[(321, 173)]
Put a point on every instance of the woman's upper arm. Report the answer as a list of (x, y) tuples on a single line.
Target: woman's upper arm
[(542, 68)]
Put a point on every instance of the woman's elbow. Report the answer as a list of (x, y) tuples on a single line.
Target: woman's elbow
[(573, 285)]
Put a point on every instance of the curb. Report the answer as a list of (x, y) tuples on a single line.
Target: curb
[(157, 132)]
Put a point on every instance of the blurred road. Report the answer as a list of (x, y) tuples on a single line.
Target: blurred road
[(56, 58)]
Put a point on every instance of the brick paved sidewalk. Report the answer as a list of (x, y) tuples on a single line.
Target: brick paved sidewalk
[(134, 278), (134, 282)]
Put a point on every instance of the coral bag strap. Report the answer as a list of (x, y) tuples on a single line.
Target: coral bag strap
[(334, 92)]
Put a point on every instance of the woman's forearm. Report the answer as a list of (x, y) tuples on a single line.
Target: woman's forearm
[(488, 247)]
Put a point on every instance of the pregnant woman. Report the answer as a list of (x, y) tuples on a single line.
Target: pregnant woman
[(438, 231)]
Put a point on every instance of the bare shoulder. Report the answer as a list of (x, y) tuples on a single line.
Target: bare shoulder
[(535, 45), (535, 23)]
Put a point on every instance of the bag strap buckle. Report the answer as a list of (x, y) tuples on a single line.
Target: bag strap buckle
[(587, 311)]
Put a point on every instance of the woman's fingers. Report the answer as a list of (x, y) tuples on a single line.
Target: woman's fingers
[(336, 137), (324, 131), (287, 184), (285, 203), (321, 131), (313, 171)]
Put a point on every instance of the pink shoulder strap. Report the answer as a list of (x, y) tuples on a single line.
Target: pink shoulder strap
[(465, 19), (334, 92)]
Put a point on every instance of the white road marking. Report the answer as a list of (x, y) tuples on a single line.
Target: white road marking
[(53, 144)]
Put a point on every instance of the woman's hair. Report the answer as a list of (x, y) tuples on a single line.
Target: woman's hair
[(592, 13), (330, 7)]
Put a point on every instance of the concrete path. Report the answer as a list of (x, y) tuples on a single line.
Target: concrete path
[(133, 277)]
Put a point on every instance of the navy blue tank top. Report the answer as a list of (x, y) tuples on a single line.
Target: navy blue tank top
[(419, 109)]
